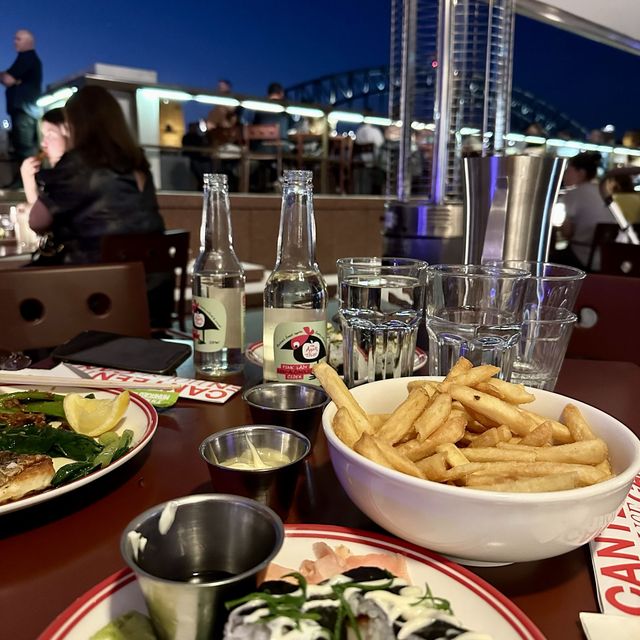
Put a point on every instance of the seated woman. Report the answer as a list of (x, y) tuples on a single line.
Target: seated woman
[(101, 186), (584, 205), (55, 136)]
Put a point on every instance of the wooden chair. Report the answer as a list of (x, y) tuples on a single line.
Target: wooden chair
[(162, 254), (341, 156), (604, 232), (43, 307), (268, 135), (607, 309)]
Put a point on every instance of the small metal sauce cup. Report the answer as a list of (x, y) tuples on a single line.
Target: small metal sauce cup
[(193, 554), (274, 486)]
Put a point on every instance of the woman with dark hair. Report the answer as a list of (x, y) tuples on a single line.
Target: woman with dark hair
[(101, 186), (584, 205), (55, 136)]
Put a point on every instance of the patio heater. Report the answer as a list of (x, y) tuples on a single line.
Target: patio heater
[(450, 95)]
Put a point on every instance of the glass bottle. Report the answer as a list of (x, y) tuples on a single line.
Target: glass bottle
[(295, 294), (217, 287)]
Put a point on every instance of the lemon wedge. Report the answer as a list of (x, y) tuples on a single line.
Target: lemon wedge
[(94, 416)]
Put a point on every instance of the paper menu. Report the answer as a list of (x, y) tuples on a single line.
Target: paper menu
[(189, 388), (615, 554)]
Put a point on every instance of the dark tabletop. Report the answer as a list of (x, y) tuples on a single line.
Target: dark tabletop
[(51, 553)]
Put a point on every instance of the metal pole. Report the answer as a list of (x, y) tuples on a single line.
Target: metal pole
[(442, 110), (407, 96)]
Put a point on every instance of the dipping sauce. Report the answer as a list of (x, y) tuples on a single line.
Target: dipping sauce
[(253, 458)]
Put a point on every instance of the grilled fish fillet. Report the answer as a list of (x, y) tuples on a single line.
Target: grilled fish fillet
[(22, 473)]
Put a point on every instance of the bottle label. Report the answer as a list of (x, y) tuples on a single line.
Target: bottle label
[(297, 347), (218, 322)]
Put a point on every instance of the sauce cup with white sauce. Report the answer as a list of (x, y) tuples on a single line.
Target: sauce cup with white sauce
[(262, 462), (193, 554)]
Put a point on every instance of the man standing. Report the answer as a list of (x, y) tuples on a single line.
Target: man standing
[(23, 80)]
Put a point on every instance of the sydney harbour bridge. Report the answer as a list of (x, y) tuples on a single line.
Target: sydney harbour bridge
[(368, 90)]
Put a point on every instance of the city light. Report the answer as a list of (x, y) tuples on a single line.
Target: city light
[(305, 112), (221, 100), (256, 105), (345, 116)]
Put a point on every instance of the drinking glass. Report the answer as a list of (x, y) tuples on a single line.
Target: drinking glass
[(381, 306), (543, 343), (473, 311), (550, 285)]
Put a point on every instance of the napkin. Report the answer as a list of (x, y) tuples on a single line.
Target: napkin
[(203, 390), (615, 554), (605, 627)]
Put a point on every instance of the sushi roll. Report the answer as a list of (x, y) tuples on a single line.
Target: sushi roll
[(366, 603)]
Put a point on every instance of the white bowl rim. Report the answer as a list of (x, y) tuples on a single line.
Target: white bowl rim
[(606, 486)]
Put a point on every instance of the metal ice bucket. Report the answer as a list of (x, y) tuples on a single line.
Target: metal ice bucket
[(507, 206)]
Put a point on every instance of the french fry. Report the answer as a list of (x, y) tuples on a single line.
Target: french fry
[(508, 391), (345, 428), (376, 420), (433, 467), (556, 482), (491, 407), (427, 385), (368, 447), (494, 454), (398, 461), (584, 452), (451, 431), (337, 390), (461, 366), (561, 434), (491, 437), (585, 475), (471, 378), (522, 470), (433, 416), (401, 420), (452, 455), (541, 436), (577, 425), (480, 478)]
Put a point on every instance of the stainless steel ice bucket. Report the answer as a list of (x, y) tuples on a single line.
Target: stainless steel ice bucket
[(507, 206)]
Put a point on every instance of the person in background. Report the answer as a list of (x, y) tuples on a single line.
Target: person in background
[(23, 80), (197, 152), (55, 136), (584, 205), (275, 92), (222, 118)]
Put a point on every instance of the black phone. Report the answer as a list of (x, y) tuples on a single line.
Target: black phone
[(115, 351)]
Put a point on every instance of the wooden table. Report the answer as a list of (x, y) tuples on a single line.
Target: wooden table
[(52, 553)]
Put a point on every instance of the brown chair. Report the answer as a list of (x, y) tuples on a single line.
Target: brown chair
[(162, 254), (604, 232), (44, 307), (268, 134), (607, 310), (340, 157)]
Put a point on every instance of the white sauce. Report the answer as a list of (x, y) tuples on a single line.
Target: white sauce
[(167, 517), (137, 542), (257, 458)]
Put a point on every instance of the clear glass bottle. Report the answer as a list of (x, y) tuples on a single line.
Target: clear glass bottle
[(217, 287), (295, 295)]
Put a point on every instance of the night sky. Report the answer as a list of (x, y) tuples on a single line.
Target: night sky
[(256, 42)]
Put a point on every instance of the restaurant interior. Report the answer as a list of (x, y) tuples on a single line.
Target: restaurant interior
[(451, 461)]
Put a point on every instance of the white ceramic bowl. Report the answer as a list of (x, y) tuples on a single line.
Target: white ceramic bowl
[(478, 527)]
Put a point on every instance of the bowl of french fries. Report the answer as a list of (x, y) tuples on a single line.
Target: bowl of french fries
[(476, 468)]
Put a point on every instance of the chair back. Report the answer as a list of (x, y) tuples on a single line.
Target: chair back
[(604, 232), (268, 132), (160, 253), (43, 307), (607, 308), (620, 259)]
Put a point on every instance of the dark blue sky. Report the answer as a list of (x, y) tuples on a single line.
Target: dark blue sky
[(254, 42)]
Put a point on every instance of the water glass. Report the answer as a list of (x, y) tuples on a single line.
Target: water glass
[(543, 344), (550, 285), (473, 311), (381, 307)]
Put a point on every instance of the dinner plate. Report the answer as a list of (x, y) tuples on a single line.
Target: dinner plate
[(140, 417), (475, 603), (254, 354)]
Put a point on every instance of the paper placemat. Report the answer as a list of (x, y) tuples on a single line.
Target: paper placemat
[(615, 554)]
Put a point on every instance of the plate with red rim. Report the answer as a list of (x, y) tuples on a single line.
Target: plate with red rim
[(254, 354), (140, 417), (476, 604)]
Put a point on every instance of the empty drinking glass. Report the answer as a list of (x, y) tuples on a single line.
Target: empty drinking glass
[(473, 311)]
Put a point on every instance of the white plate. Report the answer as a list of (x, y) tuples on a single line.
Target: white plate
[(140, 417), (254, 354), (475, 603)]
